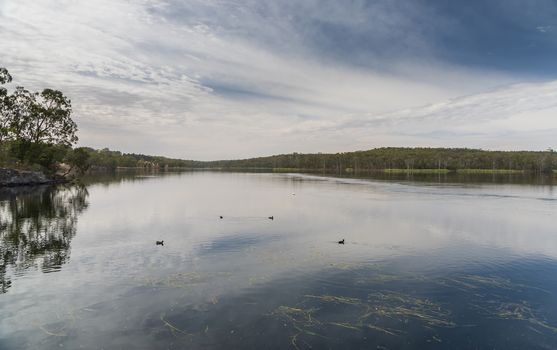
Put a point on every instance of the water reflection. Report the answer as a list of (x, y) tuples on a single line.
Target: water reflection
[(440, 178), (36, 228), (371, 306), (459, 178), (425, 266)]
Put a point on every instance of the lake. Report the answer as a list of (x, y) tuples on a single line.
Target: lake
[(428, 263)]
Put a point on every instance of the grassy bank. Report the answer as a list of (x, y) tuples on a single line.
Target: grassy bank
[(489, 171), (416, 171), (458, 171)]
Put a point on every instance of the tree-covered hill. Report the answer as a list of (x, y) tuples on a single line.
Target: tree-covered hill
[(37, 132), (411, 159)]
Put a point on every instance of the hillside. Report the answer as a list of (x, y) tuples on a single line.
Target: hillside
[(406, 159)]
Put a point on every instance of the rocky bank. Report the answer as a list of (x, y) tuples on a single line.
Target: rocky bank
[(12, 177)]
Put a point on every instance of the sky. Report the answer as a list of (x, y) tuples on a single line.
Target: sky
[(224, 79)]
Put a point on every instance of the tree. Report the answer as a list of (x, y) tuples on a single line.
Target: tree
[(18, 113), (49, 119), (38, 126), (79, 158), (5, 76), (5, 109), (34, 117)]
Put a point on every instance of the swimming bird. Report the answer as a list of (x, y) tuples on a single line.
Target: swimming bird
[(271, 217), (341, 241), (160, 243), (220, 217)]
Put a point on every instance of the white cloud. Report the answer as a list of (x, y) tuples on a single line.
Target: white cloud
[(519, 116), (213, 79)]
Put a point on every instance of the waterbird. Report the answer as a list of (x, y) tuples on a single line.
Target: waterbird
[(271, 217), (220, 217), (160, 243), (341, 241)]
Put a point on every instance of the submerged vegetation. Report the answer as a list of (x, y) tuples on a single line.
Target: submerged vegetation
[(388, 313), (379, 310), (235, 291), (383, 313)]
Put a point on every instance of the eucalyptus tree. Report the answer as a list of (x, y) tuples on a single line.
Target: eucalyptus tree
[(5, 110), (36, 117), (49, 119), (35, 127)]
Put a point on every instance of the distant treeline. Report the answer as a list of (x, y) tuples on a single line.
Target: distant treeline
[(38, 133), (107, 159), (448, 159)]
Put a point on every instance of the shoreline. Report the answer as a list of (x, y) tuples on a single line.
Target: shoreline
[(440, 171), (18, 178)]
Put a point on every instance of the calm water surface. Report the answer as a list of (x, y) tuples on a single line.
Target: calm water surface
[(425, 265)]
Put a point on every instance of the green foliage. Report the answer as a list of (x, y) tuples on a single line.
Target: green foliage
[(416, 171), (45, 155), (107, 159), (49, 119), (37, 117), (489, 171), (35, 128), (78, 158), (402, 159), (5, 76), (390, 160)]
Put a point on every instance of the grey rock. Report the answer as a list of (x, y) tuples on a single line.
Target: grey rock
[(12, 177)]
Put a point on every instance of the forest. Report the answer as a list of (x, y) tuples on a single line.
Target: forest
[(37, 132), (449, 159), (379, 159)]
